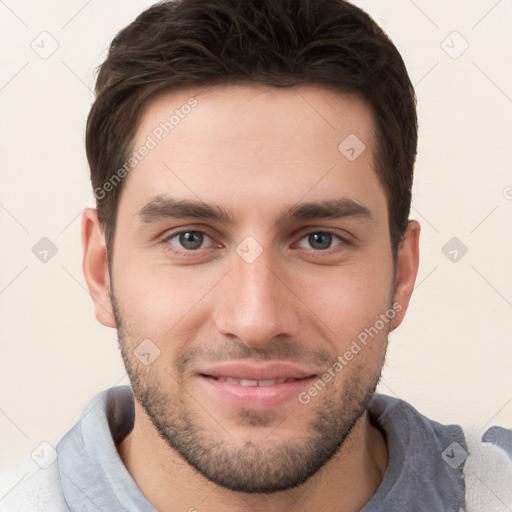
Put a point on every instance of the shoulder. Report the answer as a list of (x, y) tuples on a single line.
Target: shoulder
[(488, 470), (459, 460), (29, 488)]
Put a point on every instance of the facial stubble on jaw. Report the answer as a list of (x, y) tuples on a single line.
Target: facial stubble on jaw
[(211, 450)]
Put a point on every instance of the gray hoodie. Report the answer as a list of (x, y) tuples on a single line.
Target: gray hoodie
[(426, 471)]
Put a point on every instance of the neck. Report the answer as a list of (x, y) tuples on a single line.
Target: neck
[(344, 484)]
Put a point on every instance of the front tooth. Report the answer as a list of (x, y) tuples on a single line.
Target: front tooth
[(267, 382), (232, 380), (247, 382)]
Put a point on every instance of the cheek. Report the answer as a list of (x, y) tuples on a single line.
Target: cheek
[(159, 300), (349, 301)]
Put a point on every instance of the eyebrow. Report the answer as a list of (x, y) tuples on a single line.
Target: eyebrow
[(160, 208), (163, 208), (334, 209)]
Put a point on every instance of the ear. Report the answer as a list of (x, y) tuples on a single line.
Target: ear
[(407, 269), (95, 267)]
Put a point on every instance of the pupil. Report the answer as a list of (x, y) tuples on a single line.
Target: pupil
[(320, 241), (191, 239)]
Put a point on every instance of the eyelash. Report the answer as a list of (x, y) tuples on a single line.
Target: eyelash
[(342, 241), (185, 252)]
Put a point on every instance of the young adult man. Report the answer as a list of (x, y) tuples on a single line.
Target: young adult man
[(252, 164)]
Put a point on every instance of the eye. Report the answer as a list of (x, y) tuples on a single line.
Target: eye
[(189, 240), (320, 241)]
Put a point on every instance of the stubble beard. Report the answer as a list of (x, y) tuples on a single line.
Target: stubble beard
[(247, 467)]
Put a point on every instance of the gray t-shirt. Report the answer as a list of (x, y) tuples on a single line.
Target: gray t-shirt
[(425, 471)]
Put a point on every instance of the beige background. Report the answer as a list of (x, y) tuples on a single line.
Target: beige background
[(452, 356)]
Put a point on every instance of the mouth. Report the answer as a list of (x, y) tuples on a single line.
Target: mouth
[(255, 386), (253, 383)]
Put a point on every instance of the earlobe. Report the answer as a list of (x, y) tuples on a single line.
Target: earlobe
[(95, 267), (407, 269)]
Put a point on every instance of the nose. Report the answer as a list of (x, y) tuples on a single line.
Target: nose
[(255, 304)]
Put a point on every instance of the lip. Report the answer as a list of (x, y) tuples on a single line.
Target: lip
[(291, 381), (254, 371)]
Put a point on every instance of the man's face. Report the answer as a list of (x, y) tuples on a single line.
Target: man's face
[(250, 253)]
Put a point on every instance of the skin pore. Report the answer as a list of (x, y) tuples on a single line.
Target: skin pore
[(249, 248)]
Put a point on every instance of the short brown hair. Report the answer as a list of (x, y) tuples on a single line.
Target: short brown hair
[(281, 43)]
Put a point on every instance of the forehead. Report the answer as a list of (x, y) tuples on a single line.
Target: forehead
[(254, 144)]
